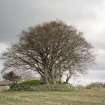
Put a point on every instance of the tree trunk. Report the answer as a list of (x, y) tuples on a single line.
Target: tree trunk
[(44, 80), (68, 78)]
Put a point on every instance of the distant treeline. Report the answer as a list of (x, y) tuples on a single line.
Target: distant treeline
[(96, 85)]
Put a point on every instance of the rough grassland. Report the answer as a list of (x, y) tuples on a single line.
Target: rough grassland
[(81, 97)]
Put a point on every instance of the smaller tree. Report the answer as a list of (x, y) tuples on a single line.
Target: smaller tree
[(11, 76)]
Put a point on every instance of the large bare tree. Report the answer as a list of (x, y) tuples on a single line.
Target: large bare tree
[(50, 49)]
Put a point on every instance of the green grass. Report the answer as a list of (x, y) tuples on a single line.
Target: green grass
[(31, 82), (81, 97)]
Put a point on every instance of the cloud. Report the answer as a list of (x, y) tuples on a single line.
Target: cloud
[(20, 14), (93, 76), (3, 47)]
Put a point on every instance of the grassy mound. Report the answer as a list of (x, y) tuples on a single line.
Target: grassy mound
[(36, 85), (31, 82)]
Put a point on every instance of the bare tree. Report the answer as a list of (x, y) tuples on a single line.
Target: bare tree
[(50, 49)]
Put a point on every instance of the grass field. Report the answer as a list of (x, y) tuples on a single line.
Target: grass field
[(81, 97)]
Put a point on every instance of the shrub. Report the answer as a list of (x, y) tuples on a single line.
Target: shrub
[(26, 85), (18, 87)]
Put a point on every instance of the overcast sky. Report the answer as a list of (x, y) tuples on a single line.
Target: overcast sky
[(87, 16)]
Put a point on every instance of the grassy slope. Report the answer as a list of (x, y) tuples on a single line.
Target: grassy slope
[(82, 97)]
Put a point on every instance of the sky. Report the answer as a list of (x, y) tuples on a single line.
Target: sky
[(88, 16)]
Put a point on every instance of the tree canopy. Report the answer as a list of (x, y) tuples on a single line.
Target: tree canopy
[(50, 49)]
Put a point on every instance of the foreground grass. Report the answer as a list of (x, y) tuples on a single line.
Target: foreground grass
[(81, 97)]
